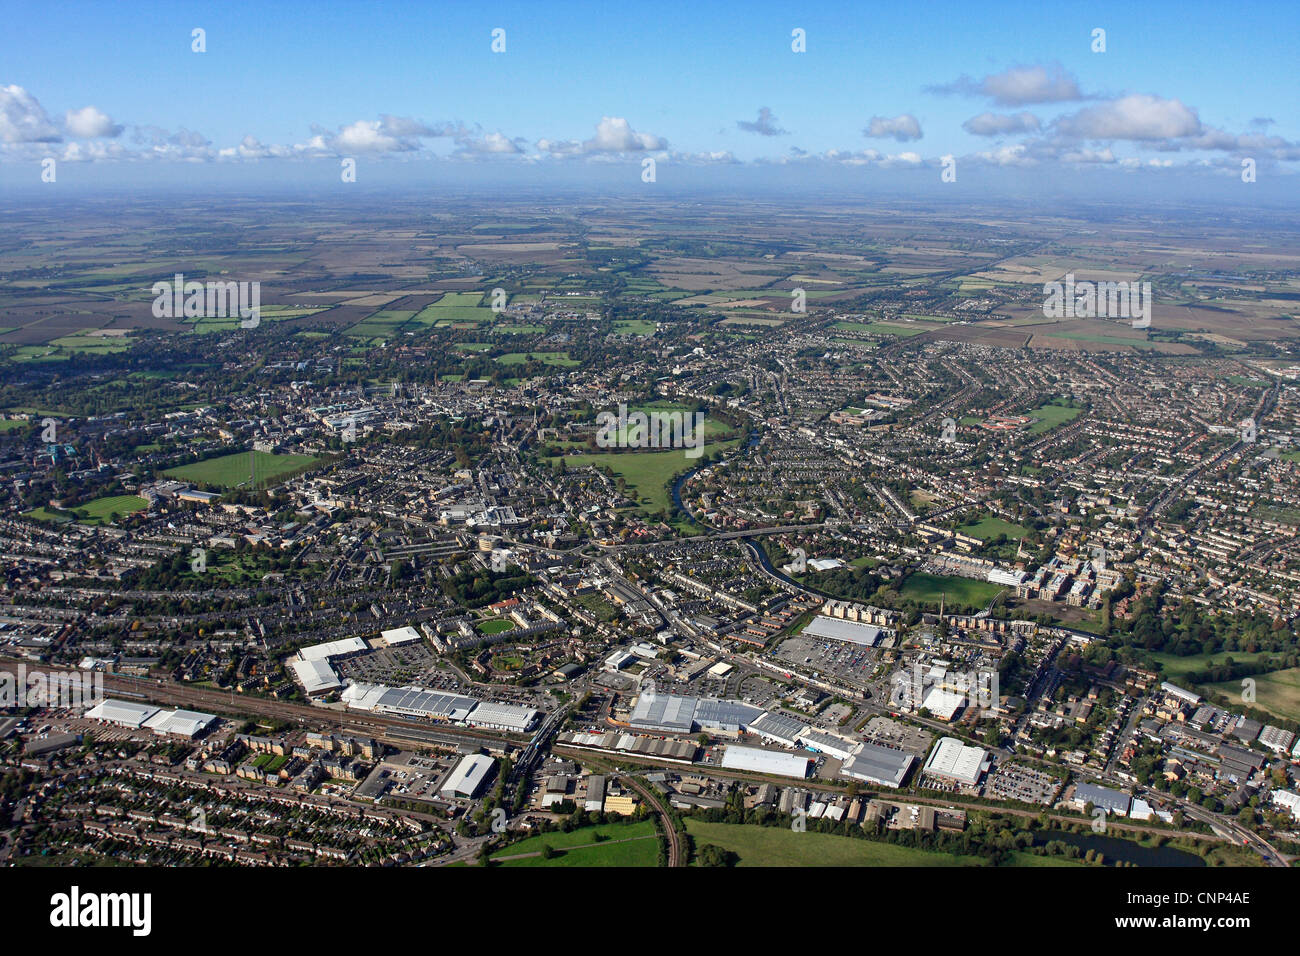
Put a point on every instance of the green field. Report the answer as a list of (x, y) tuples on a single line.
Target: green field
[(546, 358), (990, 527), (926, 589), (231, 471), (635, 327), (1049, 416), (646, 472), (781, 846), (1277, 692), (100, 510), (1173, 667), (496, 626), (627, 844)]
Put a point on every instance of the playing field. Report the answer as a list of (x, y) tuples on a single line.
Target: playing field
[(1049, 416), (1277, 692), (781, 846), (990, 527), (927, 588), (232, 471)]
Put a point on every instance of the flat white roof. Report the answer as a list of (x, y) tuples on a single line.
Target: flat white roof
[(400, 635), (837, 629), (765, 761), (468, 776), (122, 712), (184, 723), (320, 652), (315, 676), (942, 703), (956, 761), (502, 715)]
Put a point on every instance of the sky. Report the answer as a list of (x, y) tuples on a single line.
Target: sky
[(892, 94)]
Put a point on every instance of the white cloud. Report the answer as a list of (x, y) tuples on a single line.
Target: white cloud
[(1019, 86), (490, 144), (1001, 124), (1138, 116), (903, 127), (90, 123), (23, 119)]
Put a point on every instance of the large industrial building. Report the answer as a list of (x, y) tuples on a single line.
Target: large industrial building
[(952, 761), (849, 632), (1112, 801), (674, 714), (765, 761), (779, 728), (469, 776), (438, 705), (312, 669), (133, 716), (502, 717), (882, 766)]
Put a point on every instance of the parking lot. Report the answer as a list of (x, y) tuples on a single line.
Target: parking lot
[(850, 663)]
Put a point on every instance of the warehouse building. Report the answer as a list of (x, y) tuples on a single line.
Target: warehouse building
[(180, 723), (467, 780), (502, 717), (398, 635), (779, 728), (1112, 801), (819, 741), (312, 669), (765, 761), (408, 702), (121, 713), (133, 716), (674, 714), (878, 765), (849, 632), (953, 762)]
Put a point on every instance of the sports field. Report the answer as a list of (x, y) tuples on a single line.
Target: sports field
[(1049, 416), (990, 527), (926, 589), (232, 471), (98, 511)]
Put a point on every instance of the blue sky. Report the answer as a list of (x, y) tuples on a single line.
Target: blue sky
[(1182, 89)]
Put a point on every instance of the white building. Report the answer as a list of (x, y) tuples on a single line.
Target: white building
[(954, 762)]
